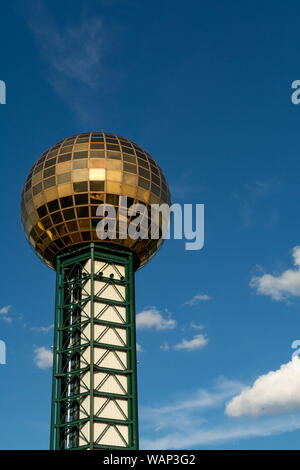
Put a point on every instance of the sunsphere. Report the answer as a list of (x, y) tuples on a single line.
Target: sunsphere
[(68, 182), (94, 383)]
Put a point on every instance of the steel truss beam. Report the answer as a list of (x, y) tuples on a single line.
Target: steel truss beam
[(94, 392)]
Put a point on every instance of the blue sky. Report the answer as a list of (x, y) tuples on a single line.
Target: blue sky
[(206, 89)]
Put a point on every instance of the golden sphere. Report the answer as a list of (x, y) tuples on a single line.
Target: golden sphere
[(70, 180)]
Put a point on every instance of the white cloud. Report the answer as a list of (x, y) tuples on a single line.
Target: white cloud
[(4, 314), (152, 318), (44, 329), (43, 357), (283, 286), (197, 342), (274, 392), (139, 347), (197, 298), (296, 255), (5, 310)]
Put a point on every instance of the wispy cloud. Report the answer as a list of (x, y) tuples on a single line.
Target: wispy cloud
[(197, 299), (72, 52), (199, 399), (283, 286), (4, 314), (189, 437), (185, 185), (153, 318), (274, 392), (258, 195), (263, 188), (139, 347), (43, 357), (190, 416), (43, 329), (196, 327)]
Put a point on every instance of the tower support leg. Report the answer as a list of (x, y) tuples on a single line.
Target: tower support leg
[(94, 391)]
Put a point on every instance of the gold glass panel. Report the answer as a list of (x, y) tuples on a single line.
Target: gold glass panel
[(114, 165), (28, 225), (51, 194), (128, 190), (93, 163), (84, 223), (65, 189), (79, 147), (114, 176), (154, 199), (63, 167), (29, 207), (34, 218), (129, 178), (113, 188), (37, 178), (80, 164), (142, 195), (97, 174), (80, 175), (65, 178), (39, 200), (97, 153)]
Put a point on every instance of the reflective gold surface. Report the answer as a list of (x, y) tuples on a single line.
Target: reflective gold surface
[(69, 181)]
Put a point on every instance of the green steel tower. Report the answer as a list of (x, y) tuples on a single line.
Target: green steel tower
[(94, 391)]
